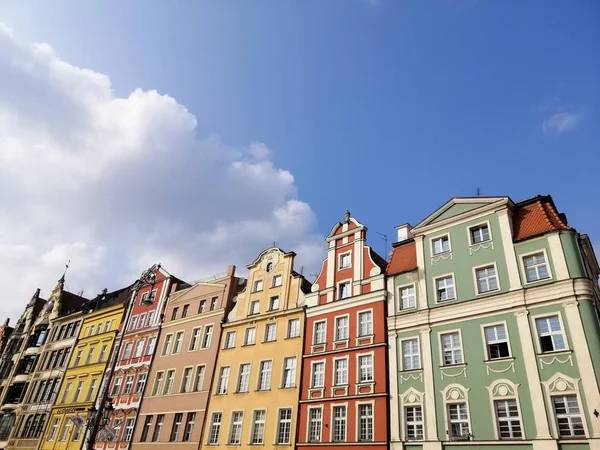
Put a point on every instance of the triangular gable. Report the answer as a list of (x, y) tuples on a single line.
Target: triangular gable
[(457, 206)]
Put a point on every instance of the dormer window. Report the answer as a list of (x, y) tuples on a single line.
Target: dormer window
[(344, 260), (344, 290), (441, 244), (479, 234)]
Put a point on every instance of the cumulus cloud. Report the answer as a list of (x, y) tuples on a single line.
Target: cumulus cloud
[(115, 184), (561, 122)]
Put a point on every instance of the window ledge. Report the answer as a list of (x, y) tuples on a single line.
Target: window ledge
[(291, 337), (248, 345), (479, 243), (414, 370), (453, 366), (555, 353), (505, 359), (268, 342)]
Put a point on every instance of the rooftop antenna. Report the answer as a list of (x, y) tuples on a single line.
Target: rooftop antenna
[(384, 238), (478, 191), (66, 268), (274, 243)]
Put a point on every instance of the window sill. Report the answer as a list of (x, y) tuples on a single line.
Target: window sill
[(454, 365), (268, 342), (240, 392), (262, 390), (248, 345), (503, 359), (486, 293), (341, 341), (228, 348), (479, 243), (287, 387), (291, 337), (414, 370), (541, 280), (555, 353)]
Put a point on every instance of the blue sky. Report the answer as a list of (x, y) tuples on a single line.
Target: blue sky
[(386, 108)]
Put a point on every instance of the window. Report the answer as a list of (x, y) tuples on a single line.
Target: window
[(77, 358), (116, 386), (320, 332), (186, 380), (235, 433), (128, 385), (160, 420), (408, 297), (142, 322), (284, 427), (170, 379), (440, 245), (274, 303), (177, 419), (230, 339), (258, 427), (133, 323), (507, 417), (276, 281), (150, 318), (487, 280), (258, 285), (106, 326), (264, 380), (77, 432), (289, 372), (344, 260), (315, 417), (223, 380), (340, 371), (339, 423), (199, 378), (341, 328), (496, 342), (480, 233), (213, 303), (365, 323), (103, 350), (65, 431), (151, 345), (202, 307), (445, 288), (414, 423), (78, 392), (318, 375), (174, 313), (215, 429), (208, 331), (195, 340), (243, 378), (452, 348), (168, 343), (254, 307), (129, 429), (126, 352), (250, 338), (90, 355), (141, 383), (270, 332), (550, 334), (185, 311), (411, 358), (146, 428), (365, 365), (568, 416), (53, 429), (117, 427), (535, 267), (178, 342), (158, 382), (189, 426), (458, 417), (139, 347), (365, 431), (344, 290), (66, 393), (293, 328)]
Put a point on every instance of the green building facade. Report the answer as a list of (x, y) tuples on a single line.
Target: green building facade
[(493, 329)]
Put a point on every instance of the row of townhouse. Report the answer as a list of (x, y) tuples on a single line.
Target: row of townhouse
[(482, 331)]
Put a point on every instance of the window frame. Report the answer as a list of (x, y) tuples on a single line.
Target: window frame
[(337, 338), (195, 340), (220, 377), (476, 280), (226, 343), (251, 308), (482, 224), (358, 419), (267, 373), (256, 422), (522, 257), (268, 327), (272, 303), (256, 284), (346, 371), (333, 421), (435, 288), (569, 416), (359, 356), (312, 374), (211, 430), (518, 418), (486, 351), (309, 420), (289, 329), (238, 385), (338, 296), (401, 346), (239, 424), (293, 370), (347, 253), (449, 422), (208, 331), (537, 333), (314, 337), (399, 289), (246, 336), (281, 421), (414, 423), (435, 238), (441, 346), (359, 333)]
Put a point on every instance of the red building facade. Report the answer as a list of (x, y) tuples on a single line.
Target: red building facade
[(343, 400)]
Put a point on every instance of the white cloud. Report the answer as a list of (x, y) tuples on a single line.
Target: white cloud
[(561, 122), (115, 184)]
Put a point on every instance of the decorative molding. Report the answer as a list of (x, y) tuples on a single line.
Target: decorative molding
[(412, 397), (463, 371), (447, 255), (484, 245), (412, 376), (511, 366), (568, 359)]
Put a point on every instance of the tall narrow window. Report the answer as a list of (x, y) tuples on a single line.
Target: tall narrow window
[(202, 307), (250, 338), (139, 347), (244, 378), (185, 311), (168, 343), (53, 429), (141, 383), (77, 358), (344, 261), (365, 363), (254, 307), (487, 280), (341, 371), (175, 430), (550, 334), (507, 417), (339, 423), (274, 303), (215, 429), (129, 423), (126, 352), (320, 333), (78, 391), (568, 416), (195, 340), (186, 380), (170, 379), (264, 382), (344, 290), (158, 382), (284, 426), (445, 289), (208, 331), (414, 423), (178, 342), (293, 328), (128, 385), (91, 390), (133, 323), (151, 345), (315, 417), (223, 380), (160, 420), (458, 417), (116, 388), (230, 339), (365, 323), (365, 431), (65, 431), (408, 297), (174, 313), (189, 426), (270, 332), (258, 427), (535, 267), (496, 341), (103, 351), (289, 372), (90, 356), (318, 375), (452, 348), (146, 428), (411, 358), (66, 393), (117, 424), (235, 433), (199, 378), (341, 328), (440, 245), (276, 280)]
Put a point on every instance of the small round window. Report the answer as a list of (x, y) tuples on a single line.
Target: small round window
[(269, 267)]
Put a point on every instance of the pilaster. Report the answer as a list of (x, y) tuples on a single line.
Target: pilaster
[(429, 400), (504, 220)]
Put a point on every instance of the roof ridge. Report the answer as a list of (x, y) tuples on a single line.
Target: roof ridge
[(552, 212), (546, 217)]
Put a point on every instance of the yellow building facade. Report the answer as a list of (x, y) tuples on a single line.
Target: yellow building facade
[(87, 365), (255, 388)]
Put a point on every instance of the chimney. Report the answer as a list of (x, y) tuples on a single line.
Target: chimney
[(404, 232)]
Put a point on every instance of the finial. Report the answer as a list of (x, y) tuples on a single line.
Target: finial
[(37, 294), (347, 217), (62, 279)]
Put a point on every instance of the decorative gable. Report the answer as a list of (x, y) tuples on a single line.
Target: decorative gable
[(457, 206)]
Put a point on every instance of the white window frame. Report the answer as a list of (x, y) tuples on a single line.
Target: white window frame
[(339, 289), (265, 375), (215, 436), (441, 345), (324, 322), (227, 344), (169, 382), (287, 422), (200, 368), (235, 426), (246, 334), (418, 354), (414, 423), (479, 225), (243, 380), (254, 428), (223, 380), (268, 327), (186, 385), (509, 419), (400, 289), (449, 419), (138, 350), (292, 370), (312, 374), (435, 288), (476, 281), (195, 339), (274, 302), (524, 269), (359, 418), (359, 332), (259, 282), (337, 338), (342, 372), (441, 236), (359, 367), (251, 309), (276, 277), (538, 336), (340, 256), (178, 342), (167, 345), (510, 392), (208, 331), (333, 421), (568, 416), (310, 421), (289, 328), (485, 342)]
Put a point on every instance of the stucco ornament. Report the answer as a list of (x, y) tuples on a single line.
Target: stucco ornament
[(561, 383), (411, 396), (272, 257)]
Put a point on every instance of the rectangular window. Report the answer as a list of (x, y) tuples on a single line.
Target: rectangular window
[(146, 428), (480, 233), (365, 431), (142, 322), (170, 379), (414, 423), (66, 393), (177, 419), (274, 303), (270, 332), (568, 416), (276, 280), (320, 332), (158, 382), (535, 267), (230, 339), (78, 392), (160, 420), (208, 331), (289, 372), (341, 328), (178, 342), (139, 347), (223, 380), (168, 343), (487, 280), (365, 364), (133, 323), (284, 426), (340, 371), (141, 383), (213, 303), (117, 423), (189, 426), (293, 328), (103, 351), (235, 433), (344, 261), (411, 359), (365, 323), (202, 307), (339, 423), (150, 319), (65, 431), (151, 345), (128, 429), (408, 297), (445, 288), (258, 285), (186, 380), (185, 311), (128, 385), (243, 378), (90, 355), (440, 245), (254, 307), (53, 429), (250, 338), (458, 417), (315, 417), (174, 313), (77, 358), (452, 348), (116, 388), (258, 427), (318, 375), (264, 380), (507, 418), (126, 352), (199, 378), (215, 429), (344, 290), (550, 334), (195, 340), (496, 342)]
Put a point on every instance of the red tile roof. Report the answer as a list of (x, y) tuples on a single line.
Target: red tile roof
[(536, 216), (404, 258)]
